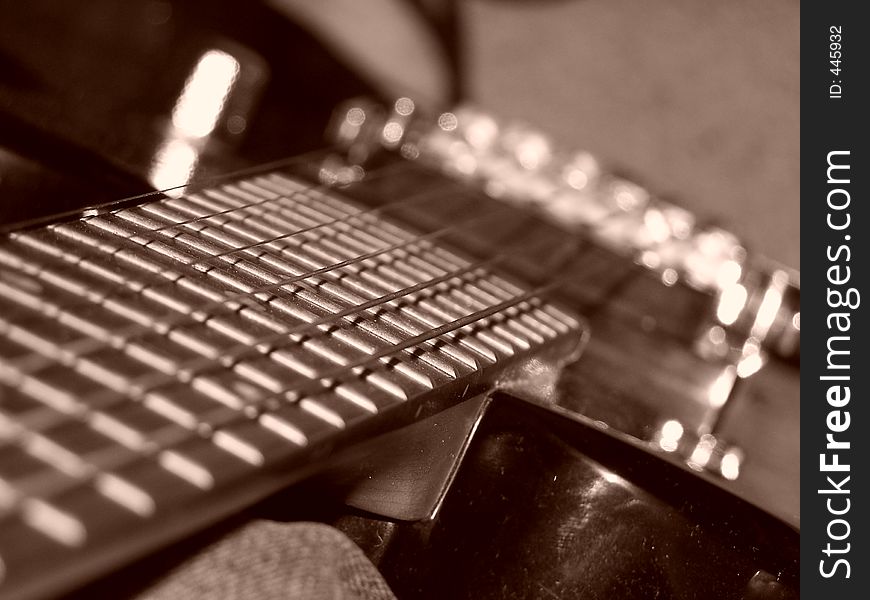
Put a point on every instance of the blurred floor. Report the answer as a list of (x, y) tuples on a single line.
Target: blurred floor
[(698, 98)]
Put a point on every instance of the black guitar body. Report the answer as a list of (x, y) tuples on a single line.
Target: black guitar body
[(544, 504)]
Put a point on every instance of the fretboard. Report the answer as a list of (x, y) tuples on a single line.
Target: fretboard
[(165, 364)]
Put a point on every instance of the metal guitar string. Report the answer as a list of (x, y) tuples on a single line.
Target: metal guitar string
[(234, 355), (330, 379), (217, 256), (136, 331), (105, 207)]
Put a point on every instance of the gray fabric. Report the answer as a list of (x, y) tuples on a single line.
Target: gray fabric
[(267, 559)]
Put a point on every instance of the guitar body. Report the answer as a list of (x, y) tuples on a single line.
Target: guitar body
[(556, 486)]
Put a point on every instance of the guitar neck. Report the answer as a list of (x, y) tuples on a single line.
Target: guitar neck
[(168, 363)]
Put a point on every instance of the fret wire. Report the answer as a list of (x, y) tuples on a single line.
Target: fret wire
[(319, 188), (235, 355), (346, 219), (330, 378), (136, 331), (332, 319), (352, 309), (244, 351), (462, 272), (77, 214), (333, 378), (206, 261), (390, 349)]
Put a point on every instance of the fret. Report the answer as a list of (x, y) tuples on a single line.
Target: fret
[(335, 410), (439, 364), (168, 353), (95, 321), (202, 340), (120, 372), (297, 425), (20, 412), (253, 443), (188, 408), (204, 464), (65, 390), (23, 474), (231, 389), (164, 355), (137, 427), (78, 444), (82, 515), (144, 487)]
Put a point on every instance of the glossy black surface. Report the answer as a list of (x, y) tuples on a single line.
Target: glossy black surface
[(545, 507)]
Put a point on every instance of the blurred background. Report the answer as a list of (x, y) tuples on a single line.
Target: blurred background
[(699, 99), (696, 99)]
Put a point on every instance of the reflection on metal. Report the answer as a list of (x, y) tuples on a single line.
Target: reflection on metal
[(770, 305), (215, 102), (670, 435), (705, 452), (737, 309), (397, 122), (173, 165), (199, 107), (732, 299), (406, 474), (610, 476), (447, 121), (335, 171), (751, 360), (194, 117), (730, 465), (721, 388)]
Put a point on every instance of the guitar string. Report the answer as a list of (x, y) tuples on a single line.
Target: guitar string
[(169, 283), (242, 351), (132, 245), (136, 331), (346, 370), (84, 213), (215, 257), (330, 379), (374, 175), (389, 297), (361, 216)]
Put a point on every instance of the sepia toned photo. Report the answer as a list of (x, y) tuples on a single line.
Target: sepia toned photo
[(437, 299)]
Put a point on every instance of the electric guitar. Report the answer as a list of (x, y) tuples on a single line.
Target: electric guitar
[(264, 326)]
